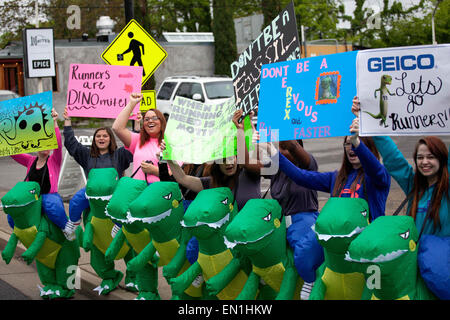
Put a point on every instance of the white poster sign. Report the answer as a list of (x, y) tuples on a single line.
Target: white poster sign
[(404, 91), (39, 52)]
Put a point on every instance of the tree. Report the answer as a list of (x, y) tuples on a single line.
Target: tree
[(225, 51), (320, 18), (270, 9)]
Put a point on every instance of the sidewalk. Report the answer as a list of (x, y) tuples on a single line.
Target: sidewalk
[(21, 276)]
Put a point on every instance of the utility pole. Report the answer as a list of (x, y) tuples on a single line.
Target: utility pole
[(129, 14), (432, 22), (36, 22), (129, 10)]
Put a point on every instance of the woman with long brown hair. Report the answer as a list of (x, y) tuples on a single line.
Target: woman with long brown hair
[(427, 187), (427, 194), (103, 153)]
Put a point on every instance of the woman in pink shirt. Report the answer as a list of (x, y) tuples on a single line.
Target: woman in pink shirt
[(143, 145), (44, 169)]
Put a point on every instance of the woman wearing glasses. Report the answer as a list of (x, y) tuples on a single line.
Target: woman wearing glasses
[(144, 145)]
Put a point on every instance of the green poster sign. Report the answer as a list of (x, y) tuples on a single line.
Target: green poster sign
[(197, 132)]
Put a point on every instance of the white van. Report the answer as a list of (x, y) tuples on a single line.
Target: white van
[(212, 90)]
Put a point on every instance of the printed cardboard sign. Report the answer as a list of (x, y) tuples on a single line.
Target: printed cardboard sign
[(26, 125), (404, 91), (278, 42), (101, 91), (307, 98)]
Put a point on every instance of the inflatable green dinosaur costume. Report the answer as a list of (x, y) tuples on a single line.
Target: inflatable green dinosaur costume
[(159, 209), (207, 217), (339, 222), (97, 236), (44, 241), (258, 232), (389, 245), (134, 234)]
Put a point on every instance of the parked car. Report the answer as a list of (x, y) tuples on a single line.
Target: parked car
[(7, 94), (212, 90)]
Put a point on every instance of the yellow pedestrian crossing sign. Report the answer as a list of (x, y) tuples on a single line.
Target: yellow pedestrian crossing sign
[(134, 46)]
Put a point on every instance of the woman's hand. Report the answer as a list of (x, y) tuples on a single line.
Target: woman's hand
[(135, 98), (149, 168), (54, 115), (66, 114), (236, 116), (356, 106), (354, 129)]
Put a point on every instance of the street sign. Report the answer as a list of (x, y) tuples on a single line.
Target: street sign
[(135, 46), (148, 100)]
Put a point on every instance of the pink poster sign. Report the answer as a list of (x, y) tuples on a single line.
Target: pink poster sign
[(101, 91)]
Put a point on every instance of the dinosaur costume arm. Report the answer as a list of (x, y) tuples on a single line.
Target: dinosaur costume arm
[(319, 288), (217, 283), (34, 248), (288, 285), (115, 246), (10, 248), (88, 235), (250, 288), (290, 277), (138, 262), (183, 281), (172, 269)]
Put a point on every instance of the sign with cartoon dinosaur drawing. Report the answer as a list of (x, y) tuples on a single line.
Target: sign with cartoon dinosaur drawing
[(404, 91), (101, 91), (278, 42), (135, 46), (26, 125), (307, 98)]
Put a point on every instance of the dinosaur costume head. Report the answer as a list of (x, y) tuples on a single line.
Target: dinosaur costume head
[(127, 190), (340, 221), (100, 187), (160, 203), (23, 204), (256, 226), (210, 212), (390, 242)]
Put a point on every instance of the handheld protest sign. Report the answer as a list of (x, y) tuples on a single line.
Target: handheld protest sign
[(404, 91), (101, 91), (307, 98), (197, 132), (26, 125), (278, 42), (135, 46)]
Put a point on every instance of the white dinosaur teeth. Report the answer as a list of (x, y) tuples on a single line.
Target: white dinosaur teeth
[(326, 237), (381, 258), (104, 198), (214, 225), (149, 220)]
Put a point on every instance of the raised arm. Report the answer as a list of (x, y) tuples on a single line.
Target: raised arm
[(120, 124)]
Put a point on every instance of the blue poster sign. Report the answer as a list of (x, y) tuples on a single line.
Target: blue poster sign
[(307, 98)]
